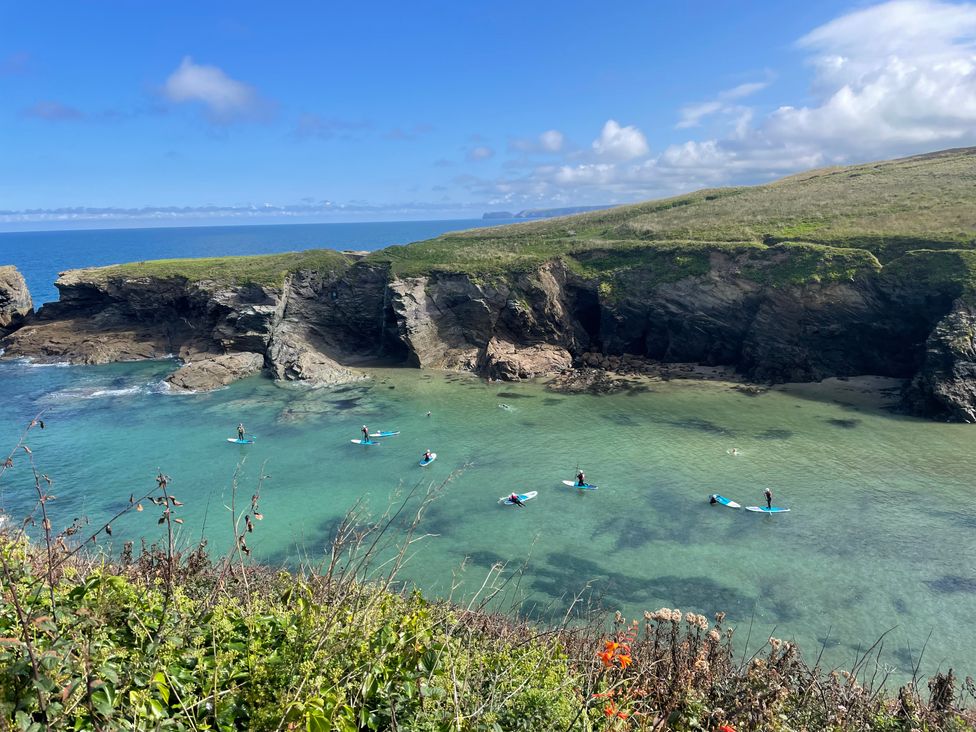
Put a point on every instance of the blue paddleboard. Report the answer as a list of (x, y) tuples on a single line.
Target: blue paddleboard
[(364, 442), (584, 487), (240, 442), (384, 433), (425, 463), (763, 509), (522, 497), (725, 501)]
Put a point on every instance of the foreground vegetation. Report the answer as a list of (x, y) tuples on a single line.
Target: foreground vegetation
[(163, 639)]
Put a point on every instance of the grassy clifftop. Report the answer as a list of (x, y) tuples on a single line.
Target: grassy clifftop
[(262, 269), (826, 222), (823, 225)]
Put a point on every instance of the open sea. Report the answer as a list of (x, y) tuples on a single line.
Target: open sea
[(881, 536)]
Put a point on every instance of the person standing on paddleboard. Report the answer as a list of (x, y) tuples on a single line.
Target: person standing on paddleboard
[(769, 498), (240, 432), (365, 433), (516, 500), (428, 456), (580, 479)]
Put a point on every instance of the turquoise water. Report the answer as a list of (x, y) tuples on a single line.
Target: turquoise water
[(882, 531), (40, 255)]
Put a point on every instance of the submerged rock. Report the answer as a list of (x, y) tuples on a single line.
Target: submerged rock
[(211, 373)]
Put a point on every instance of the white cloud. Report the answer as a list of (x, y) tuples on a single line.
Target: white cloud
[(620, 143), (551, 141), (693, 114), (892, 79), (481, 152), (224, 97)]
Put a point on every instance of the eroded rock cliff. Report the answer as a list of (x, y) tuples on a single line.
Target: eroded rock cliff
[(15, 300), (746, 309)]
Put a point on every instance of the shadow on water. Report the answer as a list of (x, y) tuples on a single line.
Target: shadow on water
[(552, 401), (774, 434), (565, 574), (699, 425), (847, 424), (515, 395), (635, 534), (952, 584)]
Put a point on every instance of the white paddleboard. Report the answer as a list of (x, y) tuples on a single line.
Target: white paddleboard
[(522, 497), (364, 442), (424, 463), (584, 487), (725, 501), (763, 509), (240, 442)]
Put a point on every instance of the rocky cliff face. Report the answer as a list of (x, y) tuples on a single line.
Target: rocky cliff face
[(317, 327), (15, 300)]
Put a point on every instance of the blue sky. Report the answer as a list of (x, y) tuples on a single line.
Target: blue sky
[(126, 113)]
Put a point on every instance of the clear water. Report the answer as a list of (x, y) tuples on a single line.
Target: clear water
[(40, 255), (882, 532)]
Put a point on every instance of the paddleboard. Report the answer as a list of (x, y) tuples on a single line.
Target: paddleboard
[(763, 509), (240, 442), (425, 463), (522, 497), (384, 434), (584, 487), (364, 442), (725, 501)]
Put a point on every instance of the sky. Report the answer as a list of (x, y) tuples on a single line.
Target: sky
[(179, 113)]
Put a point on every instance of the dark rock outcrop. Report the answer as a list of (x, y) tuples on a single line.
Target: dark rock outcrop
[(318, 326), (15, 300)]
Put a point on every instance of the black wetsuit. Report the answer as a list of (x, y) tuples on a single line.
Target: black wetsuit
[(580, 479), (769, 498), (240, 433)]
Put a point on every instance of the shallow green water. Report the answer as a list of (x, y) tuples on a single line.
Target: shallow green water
[(882, 530)]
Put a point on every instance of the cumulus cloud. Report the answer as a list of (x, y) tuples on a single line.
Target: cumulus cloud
[(693, 114), (225, 99), (53, 111), (620, 143), (892, 79), (549, 142)]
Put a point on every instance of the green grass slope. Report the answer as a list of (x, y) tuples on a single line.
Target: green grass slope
[(261, 269), (832, 222)]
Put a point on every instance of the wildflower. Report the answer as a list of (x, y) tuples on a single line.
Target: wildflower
[(611, 646), (622, 714), (648, 616), (624, 660), (725, 728), (610, 709), (775, 642), (606, 657), (719, 617)]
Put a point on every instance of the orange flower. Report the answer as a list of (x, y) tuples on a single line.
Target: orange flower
[(623, 715), (610, 709), (624, 660), (611, 646), (606, 657), (726, 728)]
